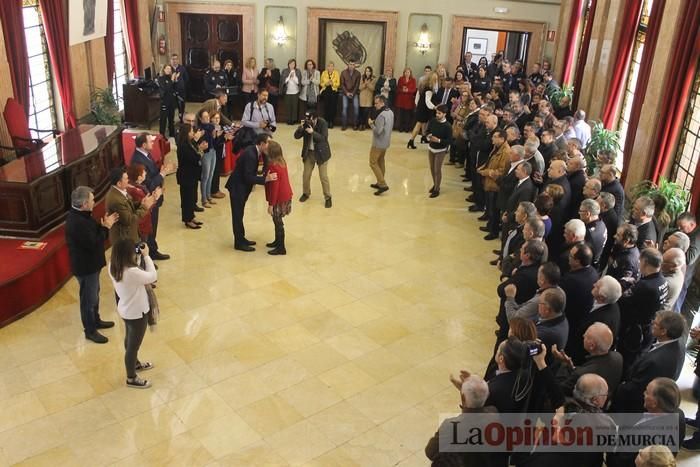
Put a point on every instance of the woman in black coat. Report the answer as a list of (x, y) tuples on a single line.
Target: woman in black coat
[(168, 86), (189, 171)]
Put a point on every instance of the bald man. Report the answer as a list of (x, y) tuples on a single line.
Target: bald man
[(560, 213), (600, 360), (672, 268), (576, 173)]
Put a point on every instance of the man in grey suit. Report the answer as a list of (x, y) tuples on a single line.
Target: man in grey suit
[(315, 152), (381, 126)]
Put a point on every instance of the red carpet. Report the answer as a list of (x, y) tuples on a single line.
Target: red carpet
[(30, 277)]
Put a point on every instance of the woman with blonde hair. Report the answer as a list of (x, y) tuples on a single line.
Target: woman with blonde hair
[(424, 108), (249, 78), (655, 456)]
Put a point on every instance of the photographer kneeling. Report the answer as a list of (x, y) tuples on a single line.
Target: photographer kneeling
[(315, 151), (133, 306)]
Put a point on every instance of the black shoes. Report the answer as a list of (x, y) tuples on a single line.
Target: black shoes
[(97, 338), (484, 229), (470, 199), (381, 190), (328, 203), (434, 194), (303, 198), (493, 262), (491, 237), (432, 188), (692, 444), (246, 248), (475, 208), (410, 145), (423, 140), (105, 324), (483, 217), (277, 251), (159, 256), (198, 209), (271, 244), (249, 242), (192, 225), (375, 186)]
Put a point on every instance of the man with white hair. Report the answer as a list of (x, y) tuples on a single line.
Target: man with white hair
[(687, 223), (474, 392), (606, 292), (596, 232), (535, 158), (642, 216), (581, 128), (597, 342), (574, 233), (676, 240), (672, 268)]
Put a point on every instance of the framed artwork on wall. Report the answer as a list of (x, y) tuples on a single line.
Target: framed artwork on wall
[(87, 20), (345, 41), (477, 45)]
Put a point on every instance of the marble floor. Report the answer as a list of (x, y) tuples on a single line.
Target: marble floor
[(337, 354)]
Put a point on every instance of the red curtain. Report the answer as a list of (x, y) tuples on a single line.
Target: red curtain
[(16, 49), (571, 36), (54, 18), (625, 43), (109, 42), (682, 70), (652, 37), (583, 52), (131, 16)]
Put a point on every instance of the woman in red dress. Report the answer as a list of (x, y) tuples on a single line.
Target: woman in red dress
[(405, 100)]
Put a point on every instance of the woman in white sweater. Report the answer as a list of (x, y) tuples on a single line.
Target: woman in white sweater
[(132, 302)]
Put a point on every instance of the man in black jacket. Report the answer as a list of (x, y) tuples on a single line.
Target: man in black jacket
[(608, 215), (664, 359), (85, 238), (315, 151), (155, 177), (596, 232), (624, 257), (643, 216), (606, 292), (507, 184), (637, 310), (578, 283), (611, 184), (576, 173), (687, 223), (480, 145), (552, 325), (250, 170)]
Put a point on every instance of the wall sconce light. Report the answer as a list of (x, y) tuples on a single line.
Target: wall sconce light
[(423, 44), (279, 35)]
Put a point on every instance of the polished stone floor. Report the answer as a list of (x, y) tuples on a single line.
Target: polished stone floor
[(337, 354)]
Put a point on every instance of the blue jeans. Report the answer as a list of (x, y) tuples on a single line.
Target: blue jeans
[(208, 164), (355, 108), (89, 301)]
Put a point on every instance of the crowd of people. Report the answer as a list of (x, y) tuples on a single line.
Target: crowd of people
[(597, 290)]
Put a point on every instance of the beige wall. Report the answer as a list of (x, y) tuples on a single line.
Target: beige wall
[(539, 10)]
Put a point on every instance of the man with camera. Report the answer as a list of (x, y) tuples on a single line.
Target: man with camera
[(315, 151), (260, 115)]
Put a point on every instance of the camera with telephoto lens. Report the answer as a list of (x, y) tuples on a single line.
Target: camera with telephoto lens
[(308, 120), (140, 247), (533, 347)]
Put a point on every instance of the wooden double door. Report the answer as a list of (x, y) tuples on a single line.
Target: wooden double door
[(205, 38)]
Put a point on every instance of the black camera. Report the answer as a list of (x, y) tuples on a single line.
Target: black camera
[(533, 347), (270, 126), (140, 247)]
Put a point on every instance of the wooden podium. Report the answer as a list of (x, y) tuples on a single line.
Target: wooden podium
[(141, 105)]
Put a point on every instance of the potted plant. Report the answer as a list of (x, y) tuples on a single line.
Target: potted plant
[(677, 199), (603, 141), (565, 92), (104, 107)]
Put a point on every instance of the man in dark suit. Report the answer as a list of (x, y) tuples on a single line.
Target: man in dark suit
[(507, 183), (643, 216), (624, 257), (576, 173), (599, 359), (608, 215), (85, 238), (574, 234), (664, 359), (552, 325), (315, 151), (547, 148), (578, 283), (250, 170), (611, 184), (638, 308), (556, 174), (480, 146), (524, 190), (606, 292), (155, 176), (596, 232), (445, 95)]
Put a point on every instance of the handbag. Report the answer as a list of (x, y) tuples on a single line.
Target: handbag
[(153, 309)]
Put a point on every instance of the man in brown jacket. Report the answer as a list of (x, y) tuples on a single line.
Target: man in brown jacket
[(495, 167), (130, 213), (217, 104), (349, 86)]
